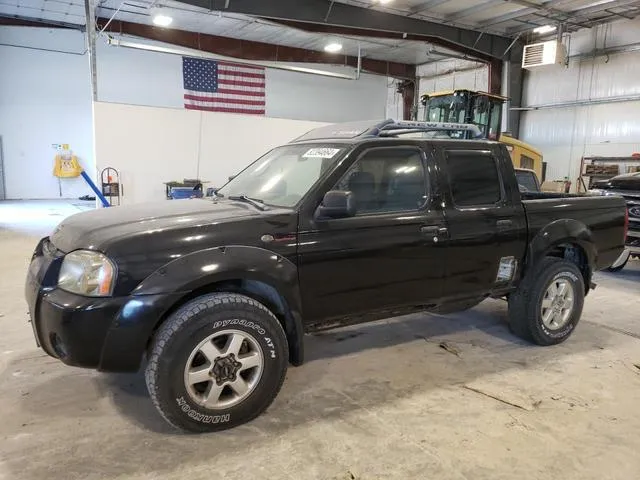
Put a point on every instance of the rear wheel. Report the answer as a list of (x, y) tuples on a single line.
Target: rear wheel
[(217, 362), (548, 303)]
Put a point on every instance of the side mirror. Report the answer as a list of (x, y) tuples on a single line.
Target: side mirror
[(336, 204)]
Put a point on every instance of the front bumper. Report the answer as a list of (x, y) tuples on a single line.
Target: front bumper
[(106, 333)]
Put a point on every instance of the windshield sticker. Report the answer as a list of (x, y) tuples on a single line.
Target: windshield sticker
[(321, 153)]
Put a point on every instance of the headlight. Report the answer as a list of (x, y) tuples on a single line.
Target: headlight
[(87, 273)]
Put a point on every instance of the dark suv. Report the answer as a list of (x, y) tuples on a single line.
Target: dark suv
[(628, 187), (346, 224)]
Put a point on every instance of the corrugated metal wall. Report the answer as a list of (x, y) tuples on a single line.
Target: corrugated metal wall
[(565, 134)]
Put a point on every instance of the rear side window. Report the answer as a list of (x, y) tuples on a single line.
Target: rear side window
[(474, 179)]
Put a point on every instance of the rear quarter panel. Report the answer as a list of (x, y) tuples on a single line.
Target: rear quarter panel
[(597, 223)]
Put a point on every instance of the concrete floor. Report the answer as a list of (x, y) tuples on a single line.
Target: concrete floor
[(378, 401)]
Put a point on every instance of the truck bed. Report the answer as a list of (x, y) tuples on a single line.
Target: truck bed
[(604, 218)]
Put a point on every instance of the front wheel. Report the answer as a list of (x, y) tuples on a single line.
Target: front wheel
[(217, 362), (548, 303)]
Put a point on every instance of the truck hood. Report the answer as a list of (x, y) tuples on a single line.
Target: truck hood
[(97, 229)]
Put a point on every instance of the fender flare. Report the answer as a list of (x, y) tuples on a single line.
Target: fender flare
[(558, 232), (271, 277)]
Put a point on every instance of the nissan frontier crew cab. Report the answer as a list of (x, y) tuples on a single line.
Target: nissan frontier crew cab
[(348, 223)]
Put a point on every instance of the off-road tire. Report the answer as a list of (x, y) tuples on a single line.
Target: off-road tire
[(525, 317), (184, 330)]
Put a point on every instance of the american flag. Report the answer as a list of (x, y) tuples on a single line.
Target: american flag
[(217, 86)]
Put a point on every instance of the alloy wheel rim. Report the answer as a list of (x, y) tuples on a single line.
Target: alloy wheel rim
[(223, 369), (557, 304)]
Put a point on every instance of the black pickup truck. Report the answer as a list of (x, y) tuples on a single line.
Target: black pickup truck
[(349, 223)]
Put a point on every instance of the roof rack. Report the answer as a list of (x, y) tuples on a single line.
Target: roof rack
[(385, 128), (405, 126)]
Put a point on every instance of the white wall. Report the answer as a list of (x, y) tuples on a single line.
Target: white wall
[(395, 104), (45, 98), (155, 79), (325, 99), (566, 134), (173, 144)]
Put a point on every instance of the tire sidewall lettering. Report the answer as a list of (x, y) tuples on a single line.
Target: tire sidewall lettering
[(219, 324), (200, 417)]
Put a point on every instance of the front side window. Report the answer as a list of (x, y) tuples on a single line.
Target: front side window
[(386, 180), (284, 175), (474, 179)]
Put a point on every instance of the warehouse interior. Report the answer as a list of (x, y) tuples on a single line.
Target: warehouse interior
[(98, 111)]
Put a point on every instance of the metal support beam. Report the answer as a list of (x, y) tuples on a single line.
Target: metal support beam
[(408, 91), (368, 22), (21, 21), (258, 51), (495, 77), (90, 34), (515, 79)]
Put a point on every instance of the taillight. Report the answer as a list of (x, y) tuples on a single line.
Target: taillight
[(626, 223)]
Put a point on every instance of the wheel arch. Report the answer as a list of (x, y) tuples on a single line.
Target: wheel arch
[(255, 272), (568, 239)]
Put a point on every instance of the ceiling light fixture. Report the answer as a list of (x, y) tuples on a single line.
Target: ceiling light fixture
[(384, 2), (333, 47), (544, 29), (160, 18)]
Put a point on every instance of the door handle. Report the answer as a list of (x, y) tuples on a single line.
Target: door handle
[(433, 231), (428, 230), (504, 224)]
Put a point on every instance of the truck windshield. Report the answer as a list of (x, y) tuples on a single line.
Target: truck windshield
[(447, 108), (284, 175)]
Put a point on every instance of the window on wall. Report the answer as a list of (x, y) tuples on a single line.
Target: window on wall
[(386, 180), (474, 179)]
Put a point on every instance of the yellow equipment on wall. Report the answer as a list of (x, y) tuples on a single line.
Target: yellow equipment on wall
[(484, 110), (66, 166)]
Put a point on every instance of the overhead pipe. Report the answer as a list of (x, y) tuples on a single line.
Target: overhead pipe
[(200, 54), (478, 66), (579, 103), (604, 52)]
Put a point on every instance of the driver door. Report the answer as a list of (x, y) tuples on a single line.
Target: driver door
[(386, 256)]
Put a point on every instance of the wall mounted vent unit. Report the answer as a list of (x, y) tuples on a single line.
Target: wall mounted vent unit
[(545, 53)]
